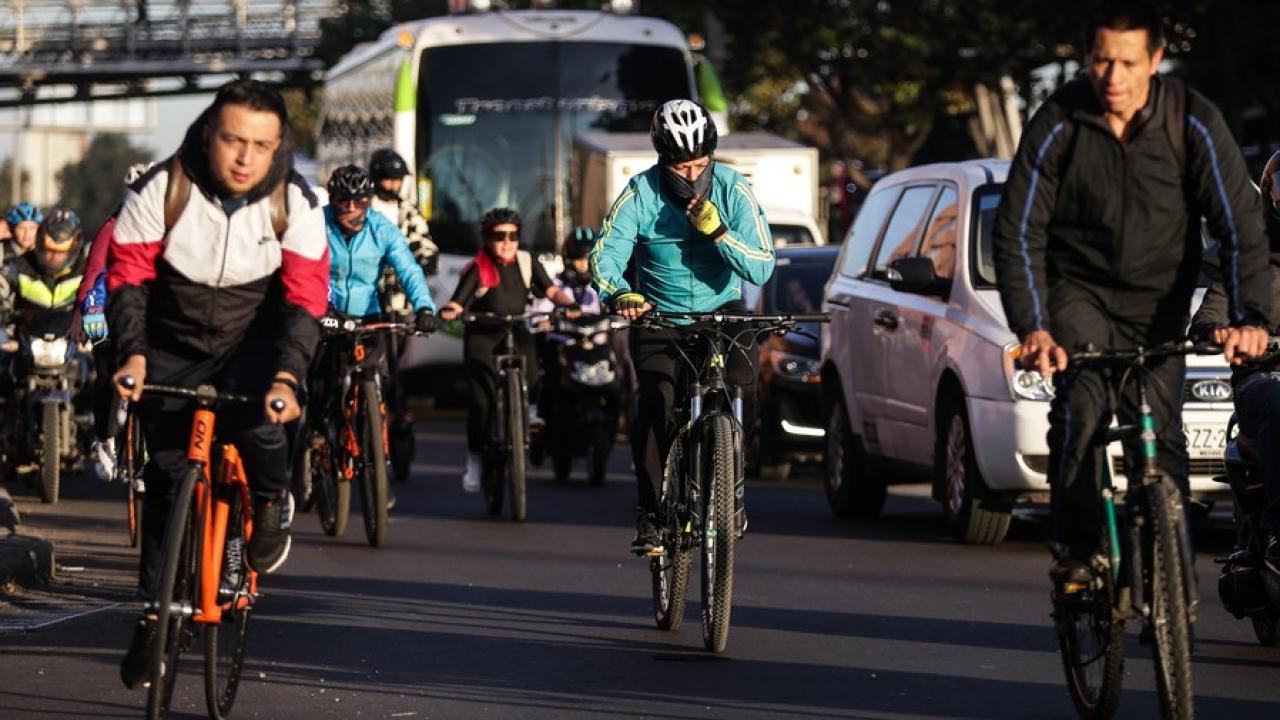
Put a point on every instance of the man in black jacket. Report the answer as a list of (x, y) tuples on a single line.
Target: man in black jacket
[(1256, 385), (1097, 242)]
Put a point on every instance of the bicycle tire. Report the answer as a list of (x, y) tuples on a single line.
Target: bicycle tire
[(373, 475), (718, 532), (50, 451), (1169, 618), (177, 580), (332, 494), (1091, 644), (129, 468), (671, 570), (224, 643), (516, 460)]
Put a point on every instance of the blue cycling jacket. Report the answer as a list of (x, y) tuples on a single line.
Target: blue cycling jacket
[(355, 264), (679, 268)]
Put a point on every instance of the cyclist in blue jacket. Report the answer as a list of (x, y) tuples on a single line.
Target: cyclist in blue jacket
[(697, 232)]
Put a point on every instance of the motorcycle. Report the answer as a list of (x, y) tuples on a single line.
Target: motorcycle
[(587, 395), (43, 432), (1247, 586)]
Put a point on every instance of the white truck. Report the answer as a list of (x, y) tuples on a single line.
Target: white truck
[(783, 173)]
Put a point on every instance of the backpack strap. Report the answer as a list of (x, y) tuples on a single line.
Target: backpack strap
[(525, 261), (279, 200), (1175, 118), (177, 192)]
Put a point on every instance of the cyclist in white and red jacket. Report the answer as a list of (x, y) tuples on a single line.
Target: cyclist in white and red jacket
[(223, 286)]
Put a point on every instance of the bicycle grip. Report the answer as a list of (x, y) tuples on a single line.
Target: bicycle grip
[(277, 405), (128, 382)]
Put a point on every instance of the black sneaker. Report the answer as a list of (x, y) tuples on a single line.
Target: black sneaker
[(137, 659), (647, 539), (1070, 572), (269, 546)]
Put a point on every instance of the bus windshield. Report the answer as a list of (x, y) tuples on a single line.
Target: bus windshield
[(488, 120)]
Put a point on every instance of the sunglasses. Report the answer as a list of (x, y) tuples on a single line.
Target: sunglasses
[(501, 235), (352, 202)]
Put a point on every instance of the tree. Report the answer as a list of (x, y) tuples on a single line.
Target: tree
[(92, 187)]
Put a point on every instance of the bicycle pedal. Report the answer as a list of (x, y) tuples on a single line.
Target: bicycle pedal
[(656, 552)]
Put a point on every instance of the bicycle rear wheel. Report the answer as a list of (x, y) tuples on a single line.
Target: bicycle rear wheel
[(224, 643), (177, 587), (515, 461), (1091, 641), (373, 456), (1169, 618), (718, 531), (671, 570)]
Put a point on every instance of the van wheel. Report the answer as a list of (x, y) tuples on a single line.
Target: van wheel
[(852, 491), (973, 513)]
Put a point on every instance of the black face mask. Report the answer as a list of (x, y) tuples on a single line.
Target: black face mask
[(681, 190)]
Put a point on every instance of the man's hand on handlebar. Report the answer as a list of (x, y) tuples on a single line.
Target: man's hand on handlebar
[(135, 370), (1040, 352), (631, 305), (281, 402), (1239, 344), (450, 312)]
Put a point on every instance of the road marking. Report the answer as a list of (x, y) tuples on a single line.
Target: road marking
[(532, 473), (37, 610)]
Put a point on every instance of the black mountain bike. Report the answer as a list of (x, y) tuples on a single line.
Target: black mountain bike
[(344, 437), (504, 461), (701, 505), (1142, 571)]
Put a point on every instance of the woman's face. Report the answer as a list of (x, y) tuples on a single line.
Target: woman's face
[(503, 241)]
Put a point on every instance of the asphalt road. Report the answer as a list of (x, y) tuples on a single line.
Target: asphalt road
[(467, 616)]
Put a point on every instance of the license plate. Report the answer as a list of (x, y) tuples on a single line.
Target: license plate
[(1206, 441)]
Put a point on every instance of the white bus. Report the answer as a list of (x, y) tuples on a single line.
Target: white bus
[(484, 108)]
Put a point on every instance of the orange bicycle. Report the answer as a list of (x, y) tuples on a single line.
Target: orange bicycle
[(205, 583)]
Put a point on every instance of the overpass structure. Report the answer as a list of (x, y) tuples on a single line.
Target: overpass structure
[(78, 50)]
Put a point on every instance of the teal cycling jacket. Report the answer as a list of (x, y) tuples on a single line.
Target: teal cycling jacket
[(355, 264), (678, 268)]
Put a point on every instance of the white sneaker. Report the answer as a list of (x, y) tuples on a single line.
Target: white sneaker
[(103, 453), (471, 476), (535, 420)]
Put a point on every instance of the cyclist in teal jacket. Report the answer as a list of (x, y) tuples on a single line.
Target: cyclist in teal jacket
[(696, 233)]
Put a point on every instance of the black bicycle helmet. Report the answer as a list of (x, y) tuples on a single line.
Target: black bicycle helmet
[(61, 231), (578, 243), (386, 163), (499, 216), (350, 181), (682, 130)]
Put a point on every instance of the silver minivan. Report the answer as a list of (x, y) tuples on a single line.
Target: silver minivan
[(918, 376)]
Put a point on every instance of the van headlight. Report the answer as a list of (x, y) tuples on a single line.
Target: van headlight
[(1024, 384)]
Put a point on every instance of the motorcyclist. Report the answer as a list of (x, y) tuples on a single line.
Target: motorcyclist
[(23, 219), (1256, 385), (701, 233), (499, 280), (41, 284)]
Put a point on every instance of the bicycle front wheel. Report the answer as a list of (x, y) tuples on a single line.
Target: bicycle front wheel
[(1169, 617), (129, 471), (176, 592), (671, 569), (718, 531), (1091, 641), (515, 461), (373, 452), (224, 643)]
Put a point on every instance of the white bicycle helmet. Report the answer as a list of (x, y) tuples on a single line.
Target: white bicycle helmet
[(682, 130)]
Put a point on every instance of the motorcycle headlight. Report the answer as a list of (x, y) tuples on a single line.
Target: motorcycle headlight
[(47, 354), (1024, 384), (796, 367), (593, 374)]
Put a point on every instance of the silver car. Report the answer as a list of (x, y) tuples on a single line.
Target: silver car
[(918, 377)]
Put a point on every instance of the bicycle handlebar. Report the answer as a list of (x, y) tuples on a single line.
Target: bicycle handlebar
[(481, 317), (356, 326), (204, 393), (717, 317), (1177, 347)]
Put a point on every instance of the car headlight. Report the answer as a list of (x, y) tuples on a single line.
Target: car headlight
[(796, 367), (48, 353), (1024, 384)]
